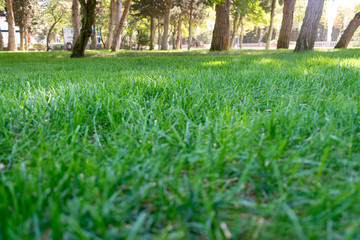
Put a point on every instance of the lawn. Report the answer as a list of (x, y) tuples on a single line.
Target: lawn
[(177, 145)]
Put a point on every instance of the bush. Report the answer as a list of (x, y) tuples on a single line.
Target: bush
[(39, 47), (57, 47), (143, 39)]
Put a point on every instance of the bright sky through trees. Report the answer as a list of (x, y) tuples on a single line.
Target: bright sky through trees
[(348, 2)]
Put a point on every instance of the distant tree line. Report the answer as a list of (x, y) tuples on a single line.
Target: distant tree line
[(167, 17)]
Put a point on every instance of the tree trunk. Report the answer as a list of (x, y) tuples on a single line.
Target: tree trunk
[(159, 34), (307, 36), (26, 33), (349, 32), (241, 31), (271, 26), (94, 34), (235, 28), (21, 39), (87, 12), (111, 24), (117, 14), (1, 42), (118, 9), (75, 19), (26, 41), (173, 38), (221, 34), (119, 28), (286, 24), (11, 25), (130, 42), (165, 44), (179, 33), (261, 36), (190, 23), (48, 37), (138, 45), (50, 30), (152, 32)]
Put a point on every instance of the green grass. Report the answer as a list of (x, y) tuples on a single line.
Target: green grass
[(177, 145)]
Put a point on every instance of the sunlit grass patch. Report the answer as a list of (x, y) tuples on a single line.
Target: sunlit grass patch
[(213, 63), (173, 145)]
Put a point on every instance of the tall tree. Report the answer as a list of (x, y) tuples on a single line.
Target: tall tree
[(26, 37), (165, 38), (11, 23), (349, 32), (25, 24), (286, 24), (19, 15), (241, 37), (94, 33), (118, 9), (236, 23), (194, 11), (191, 8), (179, 33), (117, 38), (152, 9), (307, 36), (22, 13), (159, 32), (152, 33), (1, 42), (221, 34), (56, 11), (111, 24), (248, 10), (75, 19), (176, 17), (87, 18), (2, 6), (271, 26)]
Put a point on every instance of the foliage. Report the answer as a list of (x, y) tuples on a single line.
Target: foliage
[(24, 11), (180, 145), (252, 12), (55, 9), (255, 12), (143, 38), (265, 4), (250, 9), (199, 11), (148, 8), (39, 47), (299, 13), (2, 6), (49, 12), (102, 17), (57, 47), (143, 33), (205, 37)]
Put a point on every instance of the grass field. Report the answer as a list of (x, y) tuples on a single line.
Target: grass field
[(177, 145)]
